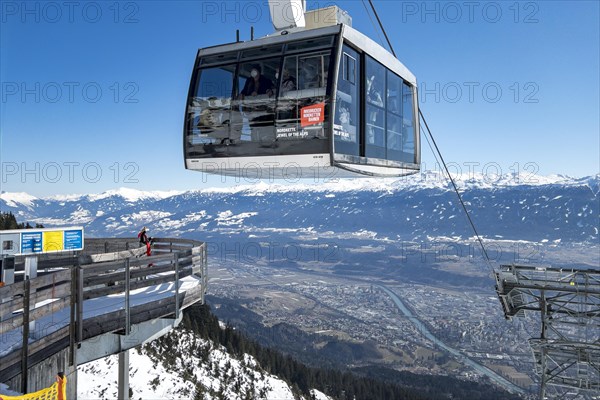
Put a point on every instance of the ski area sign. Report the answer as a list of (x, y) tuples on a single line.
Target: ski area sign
[(20, 242)]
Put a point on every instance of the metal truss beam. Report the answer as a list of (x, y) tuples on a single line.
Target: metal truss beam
[(567, 352)]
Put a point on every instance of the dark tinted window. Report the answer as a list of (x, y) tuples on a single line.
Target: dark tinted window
[(349, 68), (346, 126), (310, 44), (302, 96), (251, 108), (219, 58), (375, 79), (408, 123), (253, 113), (267, 51), (209, 108), (394, 117)]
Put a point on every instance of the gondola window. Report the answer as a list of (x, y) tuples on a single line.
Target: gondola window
[(347, 103), (375, 82), (210, 107), (408, 124)]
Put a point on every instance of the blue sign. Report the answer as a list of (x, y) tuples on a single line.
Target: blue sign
[(31, 242), (73, 240)]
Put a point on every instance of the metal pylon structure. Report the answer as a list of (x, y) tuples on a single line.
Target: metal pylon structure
[(567, 352)]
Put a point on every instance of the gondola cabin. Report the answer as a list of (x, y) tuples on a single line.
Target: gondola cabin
[(303, 103)]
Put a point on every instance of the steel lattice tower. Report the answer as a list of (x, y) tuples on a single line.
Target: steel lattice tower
[(567, 352)]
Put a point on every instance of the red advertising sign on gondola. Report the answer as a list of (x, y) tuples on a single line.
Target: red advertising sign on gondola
[(312, 115)]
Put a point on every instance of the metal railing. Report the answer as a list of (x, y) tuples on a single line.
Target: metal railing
[(106, 267)]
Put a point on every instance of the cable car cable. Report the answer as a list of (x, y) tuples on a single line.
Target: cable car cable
[(459, 196), (372, 22), (456, 190), (437, 160), (382, 28), (438, 152)]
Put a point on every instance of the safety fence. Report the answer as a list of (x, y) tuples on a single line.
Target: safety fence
[(58, 391), (70, 282)]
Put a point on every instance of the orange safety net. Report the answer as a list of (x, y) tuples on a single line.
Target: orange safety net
[(58, 391)]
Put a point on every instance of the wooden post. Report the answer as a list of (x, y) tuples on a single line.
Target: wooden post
[(25, 348)]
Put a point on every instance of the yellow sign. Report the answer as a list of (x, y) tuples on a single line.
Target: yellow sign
[(53, 241)]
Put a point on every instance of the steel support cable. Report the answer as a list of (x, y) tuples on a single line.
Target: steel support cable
[(382, 28), (372, 22), (456, 190), (487, 258)]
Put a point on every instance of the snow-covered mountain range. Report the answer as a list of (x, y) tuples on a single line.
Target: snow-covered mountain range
[(365, 215), (538, 209)]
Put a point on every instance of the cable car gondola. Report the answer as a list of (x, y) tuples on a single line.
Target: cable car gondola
[(312, 100)]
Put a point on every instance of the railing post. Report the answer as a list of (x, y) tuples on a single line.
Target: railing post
[(127, 286), (79, 304), (176, 262), (25, 348), (31, 272), (72, 326), (123, 382)]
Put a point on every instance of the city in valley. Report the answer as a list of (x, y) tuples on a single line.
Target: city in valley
[(390, 312)]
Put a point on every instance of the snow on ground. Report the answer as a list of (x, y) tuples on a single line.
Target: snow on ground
[(12, 339), (319, 395), (172, 369), (168, 224), (148, 380), (133, 195), (135, 220), (227, 218)]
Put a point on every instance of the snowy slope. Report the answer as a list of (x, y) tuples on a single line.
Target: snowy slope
[(182, 366), (18, 199)]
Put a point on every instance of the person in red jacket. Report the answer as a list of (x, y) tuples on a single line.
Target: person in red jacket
[(145, 240)]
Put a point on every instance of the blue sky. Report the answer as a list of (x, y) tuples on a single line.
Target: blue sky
[(93, 93)]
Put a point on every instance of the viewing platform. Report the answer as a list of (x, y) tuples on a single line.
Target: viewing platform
[(86, 305)]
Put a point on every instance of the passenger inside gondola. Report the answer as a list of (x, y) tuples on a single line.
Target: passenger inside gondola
[(257, 84), (254, 117), (288, 82)]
